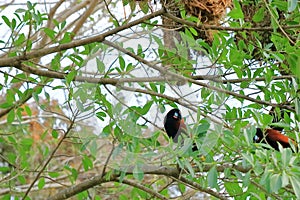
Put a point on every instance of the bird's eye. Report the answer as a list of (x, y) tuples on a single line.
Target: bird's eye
[(176, 115)]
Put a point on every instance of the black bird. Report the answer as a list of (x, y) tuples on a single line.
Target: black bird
[(174, 124), (273, 136)]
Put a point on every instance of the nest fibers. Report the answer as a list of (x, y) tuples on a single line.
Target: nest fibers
[(209, 12)]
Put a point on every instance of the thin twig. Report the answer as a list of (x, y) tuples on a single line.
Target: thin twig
[(142, 187), (50, 157)]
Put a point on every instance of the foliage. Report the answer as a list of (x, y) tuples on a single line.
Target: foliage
[(84, 92)]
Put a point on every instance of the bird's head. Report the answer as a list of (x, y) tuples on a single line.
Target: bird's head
[(175, 114), (259, 135)]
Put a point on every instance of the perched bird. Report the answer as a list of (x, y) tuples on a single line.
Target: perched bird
[(273, 138), (174, 124)]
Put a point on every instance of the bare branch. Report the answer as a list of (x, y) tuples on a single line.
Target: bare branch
[(142, 187), (15, 61), (214, 27), (50, 157)]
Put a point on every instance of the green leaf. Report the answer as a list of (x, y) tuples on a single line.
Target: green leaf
[(71, 76), (233, 188), (55, 62), (53, 174), (82, 195), (266, 119), (138, 174), (286, 157), (66, 38), (123, 197), (10, 116), (100, 65), (73, 171), (246, 179), (259, 15), (87, 163), (249, 158), (79, 105), (139, 49), (29, 5), (295, 65), (20, 10), (22, 179), (41, 183), (285, 179), (122, 62), (132, 5), (188, 33), (97, 198), (258, 169), (292, 4), (21, 39), (182, 188), (93, 148), (212, 177), (5, 170), (297, 107), (129, 67), (146, 108), (13, 24), (77, 59), (202, 127), (276, 182), (101, 115), (162, 88), (35, 97), (280, 124), (236, 12), (296, 185), (209, 142), (13, 141), (26, 141), (227, 172), (19, 78), (6, 20), (10, 96), (50, 33), (265, 180), (62, 25), (6, 105), (144, 6), (193, 31), (153, 87), (54, 134)]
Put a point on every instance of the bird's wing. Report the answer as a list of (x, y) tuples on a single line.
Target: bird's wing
[(182, 129), (277, 136)]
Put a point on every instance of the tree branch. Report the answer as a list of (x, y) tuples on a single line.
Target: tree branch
[(200, 188), (50, 157), (214, 27), (15, 61), (142, 187), (147, 169), (164, 71), (19, 102)]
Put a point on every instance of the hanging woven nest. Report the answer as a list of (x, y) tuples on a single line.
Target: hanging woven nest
[(209, 12)]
